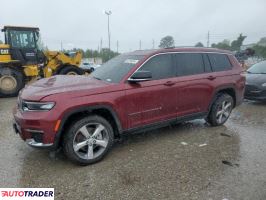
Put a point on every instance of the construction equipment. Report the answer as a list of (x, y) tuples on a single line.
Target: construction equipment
[(22, 59)]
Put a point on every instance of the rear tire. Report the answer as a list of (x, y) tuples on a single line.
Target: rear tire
[(88, 140), (11, 82), (71, 70), (220, 110)]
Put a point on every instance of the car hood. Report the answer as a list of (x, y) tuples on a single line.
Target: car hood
[(255, 79), (61, 84)]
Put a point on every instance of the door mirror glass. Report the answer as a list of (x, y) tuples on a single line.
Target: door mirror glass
[(139, 76)]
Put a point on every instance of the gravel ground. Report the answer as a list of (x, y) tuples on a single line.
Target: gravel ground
[(186, 161)]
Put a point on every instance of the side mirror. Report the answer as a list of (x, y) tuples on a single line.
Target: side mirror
[(140, 76)]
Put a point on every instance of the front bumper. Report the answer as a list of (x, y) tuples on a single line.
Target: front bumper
[(33, 143), (253, 92), (36, 128)]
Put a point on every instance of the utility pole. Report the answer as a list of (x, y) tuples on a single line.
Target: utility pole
[(101, 45), (108, 13), (208, 39), (117, 45), (140, 45), (153, 43)]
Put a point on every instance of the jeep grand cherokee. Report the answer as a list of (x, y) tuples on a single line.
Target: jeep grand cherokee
[(132, 92)]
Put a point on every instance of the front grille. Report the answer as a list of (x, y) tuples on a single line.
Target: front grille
[(253, 91), (37, 137), (251, 88)]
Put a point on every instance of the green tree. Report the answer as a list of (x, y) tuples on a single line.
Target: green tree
[(260, 51), (199, 44), (167, 42), (236, 44), (1, 42), (106, 54), (262, 42), (222, 45)]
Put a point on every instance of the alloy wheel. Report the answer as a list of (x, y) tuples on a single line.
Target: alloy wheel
[(224, 111), (90, 141)]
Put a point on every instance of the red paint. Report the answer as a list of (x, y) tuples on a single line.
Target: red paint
[(134, 104)]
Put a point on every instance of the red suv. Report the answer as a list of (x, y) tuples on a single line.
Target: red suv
[(132, 92)]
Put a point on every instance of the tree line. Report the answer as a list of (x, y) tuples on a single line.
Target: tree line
[(259, 48)]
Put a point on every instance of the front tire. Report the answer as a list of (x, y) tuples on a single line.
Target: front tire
[(220, 110), (11, 81), (88, 140)]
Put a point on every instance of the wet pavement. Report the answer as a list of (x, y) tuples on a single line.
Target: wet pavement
[(186, 161)]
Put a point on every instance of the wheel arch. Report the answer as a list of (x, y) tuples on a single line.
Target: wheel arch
[(67, 65), (104, 111), (59, 68), (228, 89)]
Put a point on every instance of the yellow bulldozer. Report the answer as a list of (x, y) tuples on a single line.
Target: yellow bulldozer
[(22, 60)]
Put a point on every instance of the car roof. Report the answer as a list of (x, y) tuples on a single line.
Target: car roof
[(178, 49)]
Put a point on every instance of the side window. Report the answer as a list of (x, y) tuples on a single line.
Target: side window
[(161, 66), (189, 64), (22, 39), (219, 62)]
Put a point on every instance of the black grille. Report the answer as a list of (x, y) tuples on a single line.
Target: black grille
[(251, 88)]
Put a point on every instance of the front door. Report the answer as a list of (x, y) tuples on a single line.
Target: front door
[(154, 100)]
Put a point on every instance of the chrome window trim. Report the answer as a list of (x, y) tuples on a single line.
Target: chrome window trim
[(163, 53)]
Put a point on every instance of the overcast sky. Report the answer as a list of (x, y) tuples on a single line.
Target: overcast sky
[(82, 24)]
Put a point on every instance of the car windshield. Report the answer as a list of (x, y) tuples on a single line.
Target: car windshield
[(259, 68), (115, 69)]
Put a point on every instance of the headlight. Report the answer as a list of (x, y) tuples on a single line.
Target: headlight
[(37, 106), (263, 85)]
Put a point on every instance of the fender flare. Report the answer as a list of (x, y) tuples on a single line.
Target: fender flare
[(218, 90), (85, 109)]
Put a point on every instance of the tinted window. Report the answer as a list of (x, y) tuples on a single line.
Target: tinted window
[(160, 66), (22, 39), (219, 62), (189, 63), (115, 69)]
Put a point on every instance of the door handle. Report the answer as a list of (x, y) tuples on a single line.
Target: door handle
[(169, 83), (211, 77)]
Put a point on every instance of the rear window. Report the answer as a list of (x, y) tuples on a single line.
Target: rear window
[(189, 64), (219, 62)]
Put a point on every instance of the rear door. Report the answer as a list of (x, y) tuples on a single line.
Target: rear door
[(154, 100), (194, 83)]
